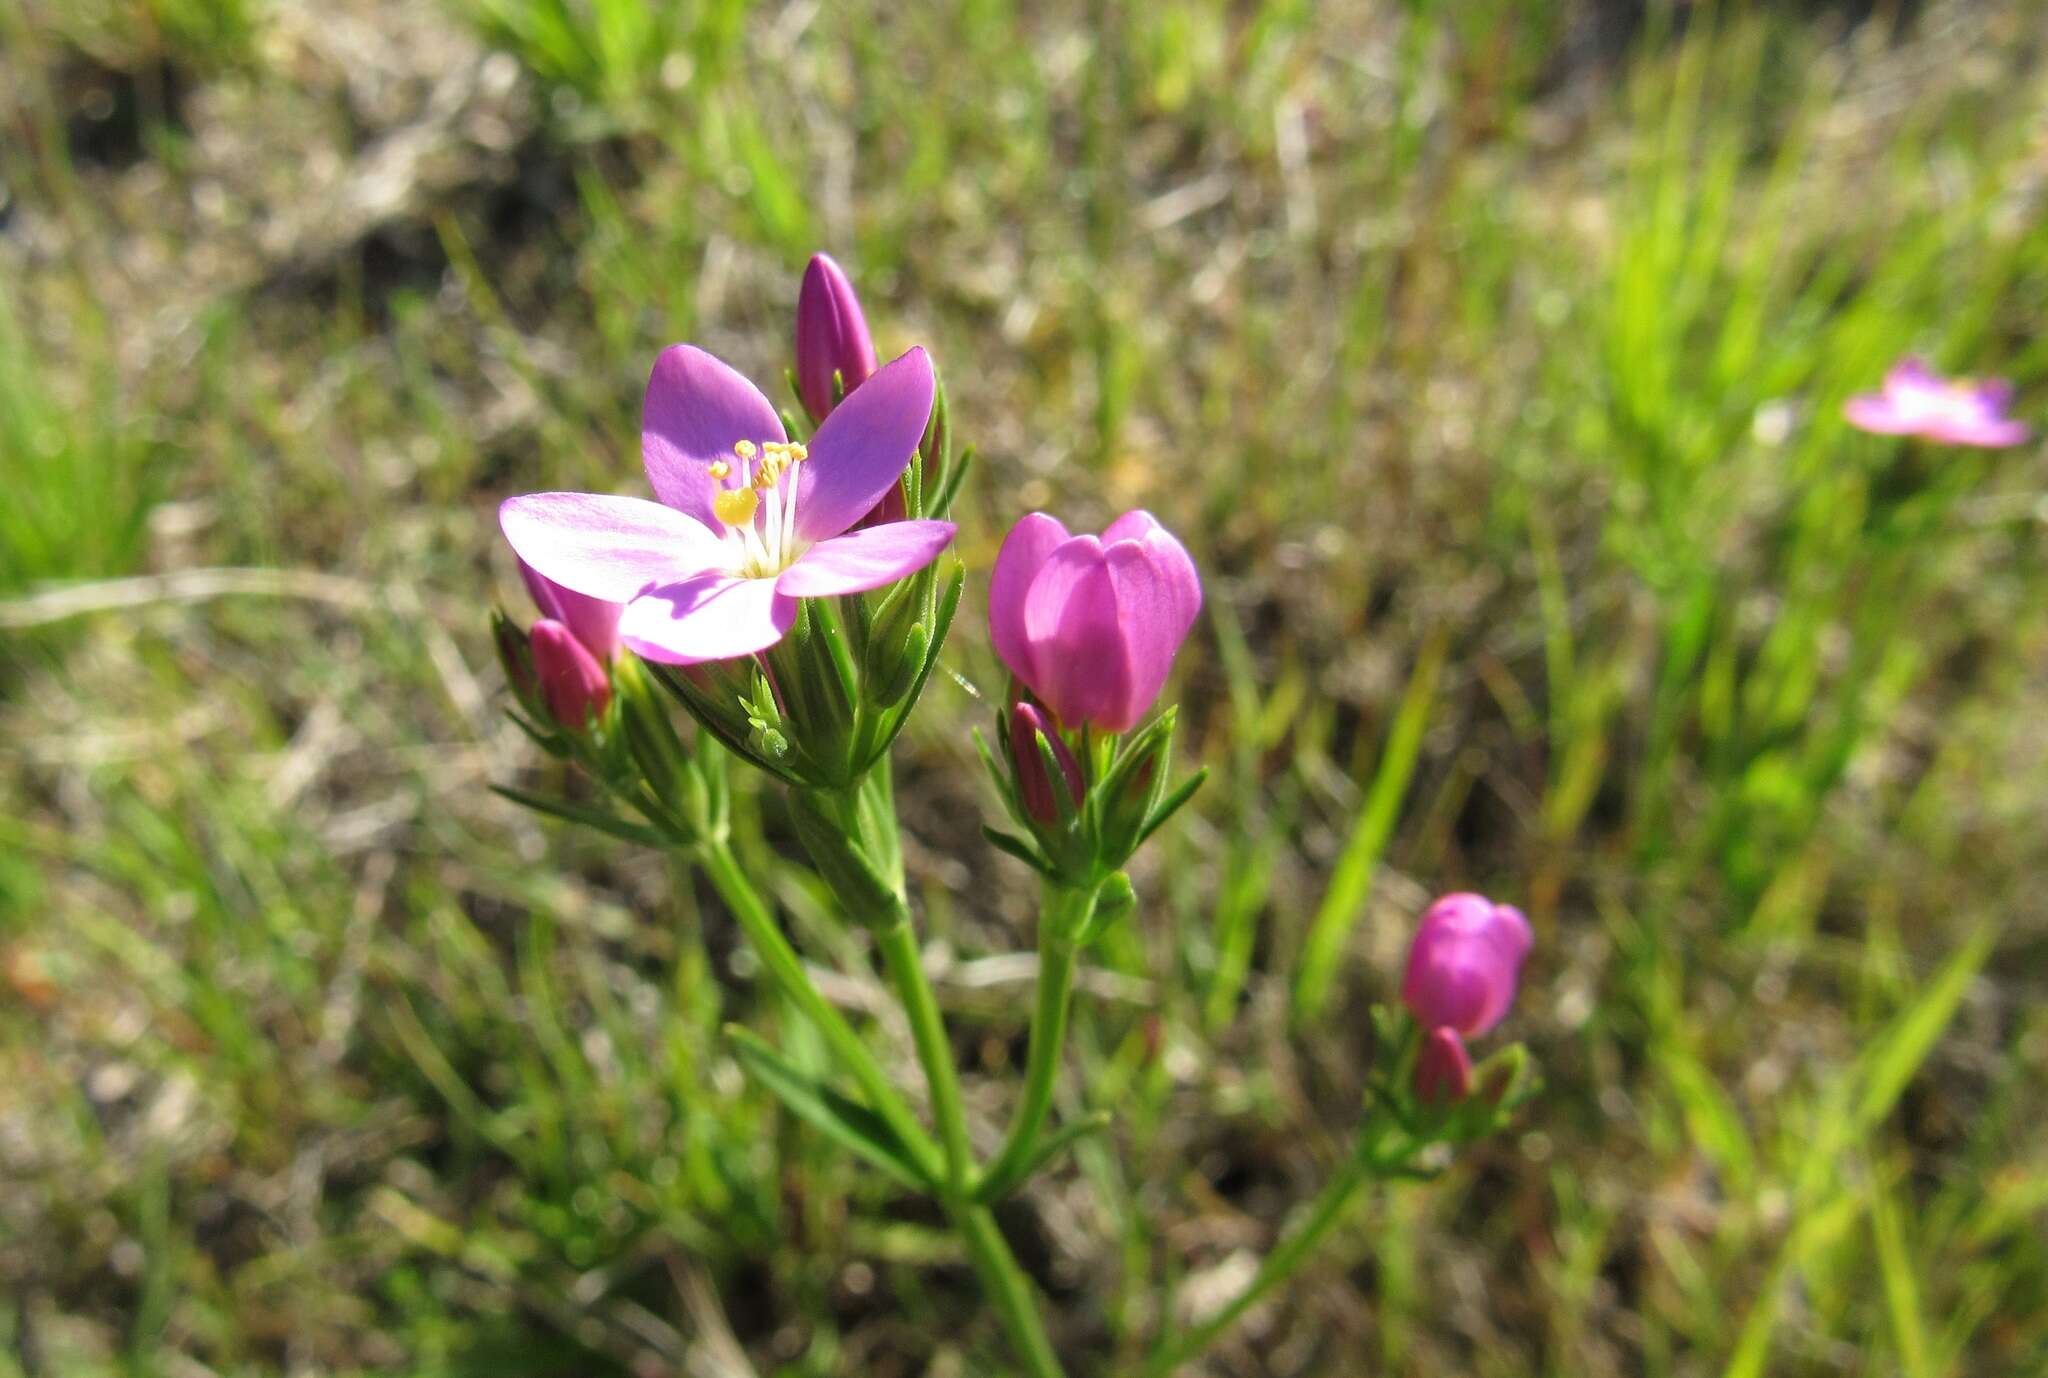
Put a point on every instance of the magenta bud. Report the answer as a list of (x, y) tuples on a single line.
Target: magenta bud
[(592, 621), (1035, 787), (1464, 964), (1443, 1069), (1092, 623), (573, 683), (831, 337)]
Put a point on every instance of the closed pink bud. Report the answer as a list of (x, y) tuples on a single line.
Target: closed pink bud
[(1443, 1069), (1464, 964), (1091, 623), (573, 683), (831, 337), (1033, 784)]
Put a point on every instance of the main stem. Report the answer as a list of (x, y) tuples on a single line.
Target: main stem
[(934, 1050), (786, 969), (1008, 1289), (1061, 915), (1365, 1164)]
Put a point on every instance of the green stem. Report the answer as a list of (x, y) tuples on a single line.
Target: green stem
[(1063, 913), (1365, 1164), (787, 970), (1004, 1282), (1007, 1288), (928, 1031)]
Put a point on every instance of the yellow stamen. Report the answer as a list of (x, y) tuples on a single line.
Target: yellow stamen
[(744, 449), (719, 470), (735, 506)]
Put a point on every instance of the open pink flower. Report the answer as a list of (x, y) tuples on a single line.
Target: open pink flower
[(1954, 411), (1465, 962), (1091, 624), (747, 523)]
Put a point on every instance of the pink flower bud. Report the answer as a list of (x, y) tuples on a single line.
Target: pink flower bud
[(1090, 623), (573, 683), (831, 337), (1464, 964), (1037, 789), (1443, 1069), (592, 621)]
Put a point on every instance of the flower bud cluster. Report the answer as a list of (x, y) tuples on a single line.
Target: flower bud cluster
[(1463, 967)]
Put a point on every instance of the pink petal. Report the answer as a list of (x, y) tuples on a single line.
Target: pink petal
[(708, 617), (1133, 525), (1911, 374), (607, 547), (593, 621), (1157, 597), (863, 447), (1079, 661), (1870, 412), (1024, 553), (1986, 432), (697, 407), (864, 559)]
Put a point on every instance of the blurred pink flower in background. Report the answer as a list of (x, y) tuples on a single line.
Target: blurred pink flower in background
[(1954, 411)]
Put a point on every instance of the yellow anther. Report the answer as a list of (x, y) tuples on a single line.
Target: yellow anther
[(735, 506), (719, 470), (744, 449)]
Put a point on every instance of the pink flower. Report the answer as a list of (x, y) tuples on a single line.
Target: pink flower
[(1443, 1069), (1034, 785), (831, 337), (593, 621), (1091, 625), (747, 523), (1464, 964), (1954, 411), (571, 680)]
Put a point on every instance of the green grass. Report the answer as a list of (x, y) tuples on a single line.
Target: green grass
[(1461, 331)]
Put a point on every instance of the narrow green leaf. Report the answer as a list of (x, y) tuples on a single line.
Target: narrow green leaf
[(851, 1125), (1044, 1151), (1351, 882), (590, 818)]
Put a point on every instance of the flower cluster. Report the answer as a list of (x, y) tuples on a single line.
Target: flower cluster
[(785, 584)]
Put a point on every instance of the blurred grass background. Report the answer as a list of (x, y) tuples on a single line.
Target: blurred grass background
[(1489, 357)]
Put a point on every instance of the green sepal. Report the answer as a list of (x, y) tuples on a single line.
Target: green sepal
[(847, 1123), (1171, 804), (1018, 848)]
